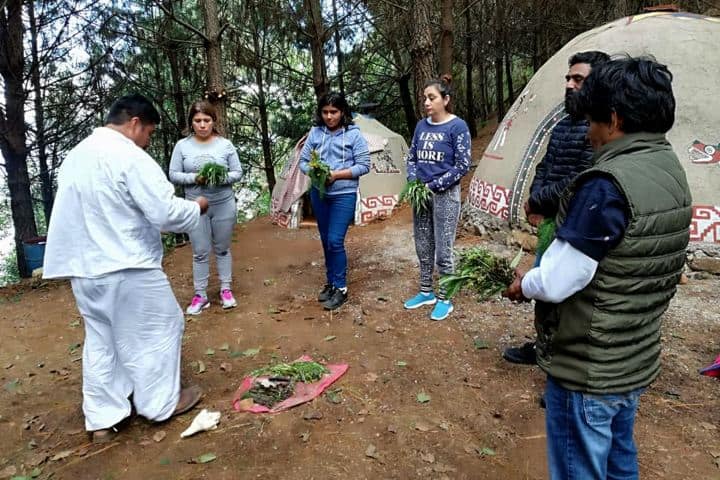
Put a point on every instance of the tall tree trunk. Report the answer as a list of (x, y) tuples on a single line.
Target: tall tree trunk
[(499, 45), (171, 49), (508, 76), (318, 35), (470, 117), (447, 37), (46, 184), (338, 48), (216, 86), (482, 87), (269, 166), (12, 127), (407, 102), (421, 51), (499, 95)]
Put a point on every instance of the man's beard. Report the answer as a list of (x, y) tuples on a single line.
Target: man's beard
[(571, 104)]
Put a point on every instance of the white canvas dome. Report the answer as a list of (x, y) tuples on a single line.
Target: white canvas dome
[(688, 44)]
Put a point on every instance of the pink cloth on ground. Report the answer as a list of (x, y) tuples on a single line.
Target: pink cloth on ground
[(304, 392)]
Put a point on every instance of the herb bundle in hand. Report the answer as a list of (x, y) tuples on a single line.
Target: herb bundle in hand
[(319, 172), (214, 174), (481, 272), (417, 194)]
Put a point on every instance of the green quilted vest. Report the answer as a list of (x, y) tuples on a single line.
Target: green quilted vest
[(606, 338)]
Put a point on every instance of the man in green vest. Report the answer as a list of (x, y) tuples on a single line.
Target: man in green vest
[(606, 280)]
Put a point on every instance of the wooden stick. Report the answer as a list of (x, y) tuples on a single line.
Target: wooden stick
[(85, 457)]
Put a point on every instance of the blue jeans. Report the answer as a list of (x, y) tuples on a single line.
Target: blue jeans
[(334, 214), (590, 437)]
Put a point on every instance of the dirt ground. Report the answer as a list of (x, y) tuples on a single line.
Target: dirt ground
[(483, 419)]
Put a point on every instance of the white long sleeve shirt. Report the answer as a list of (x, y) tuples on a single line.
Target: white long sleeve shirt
[(112, 202), (564, 270)]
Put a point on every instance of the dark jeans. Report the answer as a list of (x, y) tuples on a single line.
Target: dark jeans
[(590, 437), (334, 214)]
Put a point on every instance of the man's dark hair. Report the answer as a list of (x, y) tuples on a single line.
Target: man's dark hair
[(638, 90), (593, 58), (337, 100), (135, 105)]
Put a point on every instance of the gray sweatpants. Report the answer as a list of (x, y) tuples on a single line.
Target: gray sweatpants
[(435, 236), (215, 230)]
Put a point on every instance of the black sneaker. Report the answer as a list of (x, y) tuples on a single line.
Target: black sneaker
[(524, 355), (326, 293), (336, 300)]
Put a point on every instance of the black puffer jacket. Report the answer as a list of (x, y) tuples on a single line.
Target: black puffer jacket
[(568, 154)]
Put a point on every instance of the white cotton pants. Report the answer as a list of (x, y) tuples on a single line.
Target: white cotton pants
[(133, 336)]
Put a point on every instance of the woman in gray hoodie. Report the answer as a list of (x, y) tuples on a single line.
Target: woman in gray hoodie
[(344, 150), (205, 145)]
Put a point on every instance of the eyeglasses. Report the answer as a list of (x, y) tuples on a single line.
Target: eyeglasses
[(577, 78)]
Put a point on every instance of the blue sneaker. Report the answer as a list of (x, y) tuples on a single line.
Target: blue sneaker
[(420, 299), (442, 309)]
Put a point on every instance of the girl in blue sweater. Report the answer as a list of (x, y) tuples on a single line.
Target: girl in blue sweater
[(439, 156), (343, 148)]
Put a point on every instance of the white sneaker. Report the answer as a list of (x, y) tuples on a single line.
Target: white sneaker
[(198, 304), (227, 299)]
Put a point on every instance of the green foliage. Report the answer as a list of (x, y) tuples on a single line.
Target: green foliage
[(214, 174), (417, 194), (481, 272), (9, 272), (319, 172), (546, 234), (298, 371)]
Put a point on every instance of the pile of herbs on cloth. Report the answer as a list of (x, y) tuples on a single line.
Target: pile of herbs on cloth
[(481, 272), (214, 174), (319, 172), (417, 194), (277, 382)]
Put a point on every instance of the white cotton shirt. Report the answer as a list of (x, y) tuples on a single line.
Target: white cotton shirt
[(564, 270), (112, 202)]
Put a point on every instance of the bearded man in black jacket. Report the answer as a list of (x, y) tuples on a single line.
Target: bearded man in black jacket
[(568, 153)]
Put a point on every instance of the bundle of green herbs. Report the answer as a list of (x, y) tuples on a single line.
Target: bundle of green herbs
[(481, 272), (214, 174), (417, 194), (545, 234), (299, 371), (319, 172)]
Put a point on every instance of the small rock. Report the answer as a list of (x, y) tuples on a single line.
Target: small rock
[(371, 377), (392, 428), (382, 328), (683, 279), (363, 412), (159, 436), (314, 415), (371, 452), (226, 367), (422, 426), (305, 436), (427, 457)]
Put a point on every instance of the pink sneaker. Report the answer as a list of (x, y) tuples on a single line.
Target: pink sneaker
[(198, 304), (227, 299)]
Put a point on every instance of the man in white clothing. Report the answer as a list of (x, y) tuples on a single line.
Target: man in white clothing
[(112, 202)]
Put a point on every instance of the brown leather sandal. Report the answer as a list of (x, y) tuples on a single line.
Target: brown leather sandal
[(189, 397)]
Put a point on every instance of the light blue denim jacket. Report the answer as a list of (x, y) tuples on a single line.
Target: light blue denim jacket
[(341, 149)]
